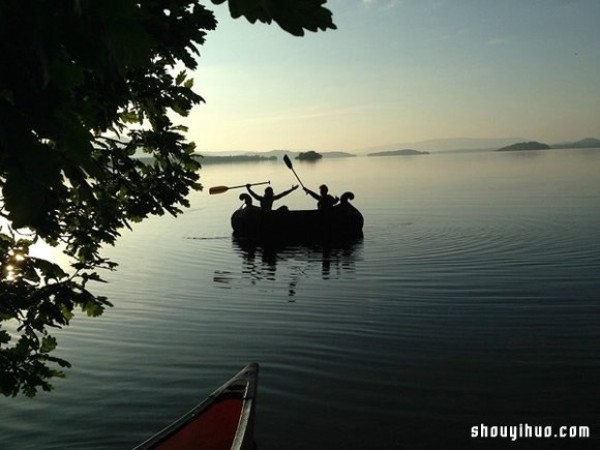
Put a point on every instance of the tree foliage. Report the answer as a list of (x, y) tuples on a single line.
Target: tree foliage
[(85, 86), (294, 16)]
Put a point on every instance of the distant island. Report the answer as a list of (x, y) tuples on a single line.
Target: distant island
[(584, 143), (531, 145), (309, 156), (405, 152)]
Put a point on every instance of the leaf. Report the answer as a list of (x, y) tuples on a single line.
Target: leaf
[(48, 344), (67, 314), (180, 78), (130, 117), (92, 309), (61, 362)]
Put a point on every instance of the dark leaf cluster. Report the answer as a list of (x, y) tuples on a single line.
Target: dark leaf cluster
[(88, 88), (294, 16), (85, 86)]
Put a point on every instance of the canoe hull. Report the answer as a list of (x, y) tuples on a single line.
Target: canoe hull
[(224, 421), (341, 223)]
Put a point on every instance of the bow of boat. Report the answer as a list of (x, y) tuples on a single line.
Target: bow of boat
[(224, 421)]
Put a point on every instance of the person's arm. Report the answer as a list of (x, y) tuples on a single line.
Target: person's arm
[(312, 194), (253, 194), (284, 193)]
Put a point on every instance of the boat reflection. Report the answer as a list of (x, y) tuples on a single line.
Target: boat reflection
[(289, 267)]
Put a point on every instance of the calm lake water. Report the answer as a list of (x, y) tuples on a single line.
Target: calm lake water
[(473, 298)]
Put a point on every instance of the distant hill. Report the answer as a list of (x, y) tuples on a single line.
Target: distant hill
[(584, 143), (337, 155), (451, 144), (405, 152), (531, 145)]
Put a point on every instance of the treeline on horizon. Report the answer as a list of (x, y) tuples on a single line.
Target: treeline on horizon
[(273, 155), (212, 159)]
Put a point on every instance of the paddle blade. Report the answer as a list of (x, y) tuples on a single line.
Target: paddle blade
[(287, 162), (217, 190)]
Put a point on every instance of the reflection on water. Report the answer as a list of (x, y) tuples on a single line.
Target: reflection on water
[(472, 299), (259, 262)]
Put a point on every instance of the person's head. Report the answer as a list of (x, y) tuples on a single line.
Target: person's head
[(323, 189), (246, 199), (269, 192)]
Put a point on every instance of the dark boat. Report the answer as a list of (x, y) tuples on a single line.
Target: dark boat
[(224, 421), (341, 223)]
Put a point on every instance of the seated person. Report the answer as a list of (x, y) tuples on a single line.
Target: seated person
[(266, 201), (325, 200)]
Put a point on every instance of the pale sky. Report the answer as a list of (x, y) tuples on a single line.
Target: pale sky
[(402, 71)]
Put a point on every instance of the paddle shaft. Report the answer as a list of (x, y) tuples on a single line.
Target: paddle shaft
[(288, 163), (221, 189)]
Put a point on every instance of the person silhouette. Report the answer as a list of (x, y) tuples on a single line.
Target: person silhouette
[(266, 201), (247, 201), (325, 200)]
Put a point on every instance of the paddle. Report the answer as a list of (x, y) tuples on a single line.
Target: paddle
[(288, 163), (221, 189)]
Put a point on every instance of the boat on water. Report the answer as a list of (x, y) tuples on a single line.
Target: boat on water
[(224, 421), (340, 223)]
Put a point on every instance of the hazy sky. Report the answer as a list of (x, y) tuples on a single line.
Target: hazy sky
[(403, 71)]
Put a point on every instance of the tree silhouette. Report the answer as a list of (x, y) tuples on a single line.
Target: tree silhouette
[(84, 87)]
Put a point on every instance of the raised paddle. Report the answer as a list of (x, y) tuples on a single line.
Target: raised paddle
[(288, 163), (221, 189)]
